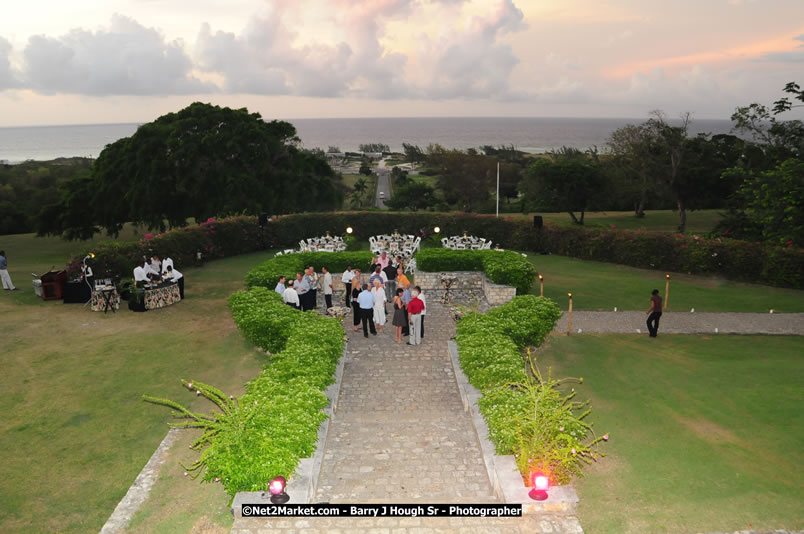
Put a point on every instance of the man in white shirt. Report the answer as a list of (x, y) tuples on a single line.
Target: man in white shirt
[(347, 277), (280, 286), (291, 298), (156, 265), (140, 275), (167, 262), (176, 276), (327, 283), (424, 311)]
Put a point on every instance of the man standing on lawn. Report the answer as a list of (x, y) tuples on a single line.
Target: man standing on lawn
[(654, 313), (7, 285)]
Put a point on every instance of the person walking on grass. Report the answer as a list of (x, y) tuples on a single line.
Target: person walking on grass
[(366, 302), (654, 313), (7, 284)]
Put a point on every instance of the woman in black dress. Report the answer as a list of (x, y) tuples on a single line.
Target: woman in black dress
[(356, 288), (399, 315)]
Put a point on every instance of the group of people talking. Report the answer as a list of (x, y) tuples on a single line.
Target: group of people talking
[(157, 270), (367, 294)]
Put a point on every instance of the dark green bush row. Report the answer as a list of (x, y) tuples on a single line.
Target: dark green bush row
[(269, 429), (267, 273), (502, 267), (527, 415), (736, 260)]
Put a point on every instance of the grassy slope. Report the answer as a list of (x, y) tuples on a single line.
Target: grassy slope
[(76, 433), (705, 432), (602, 286)]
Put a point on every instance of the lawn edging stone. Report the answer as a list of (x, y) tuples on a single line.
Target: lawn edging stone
[(301, 487), (502, 470)]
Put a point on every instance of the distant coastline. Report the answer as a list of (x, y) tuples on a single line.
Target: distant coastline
[(529, 134)]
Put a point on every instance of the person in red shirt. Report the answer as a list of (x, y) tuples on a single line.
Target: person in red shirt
[(654, 313), (415, 309)]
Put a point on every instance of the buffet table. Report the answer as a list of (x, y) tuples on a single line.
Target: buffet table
[(105, 299), (163, 295)]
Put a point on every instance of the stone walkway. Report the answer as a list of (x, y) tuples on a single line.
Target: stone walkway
[(400, 435), (685, 323)]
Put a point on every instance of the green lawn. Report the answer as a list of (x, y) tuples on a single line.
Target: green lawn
[(76, 433), (602, 286), (706, 433), (699, 221)]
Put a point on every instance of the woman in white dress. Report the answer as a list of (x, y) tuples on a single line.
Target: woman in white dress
[(379, 304)]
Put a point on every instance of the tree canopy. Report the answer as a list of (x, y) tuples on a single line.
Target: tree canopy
[(199, 162)]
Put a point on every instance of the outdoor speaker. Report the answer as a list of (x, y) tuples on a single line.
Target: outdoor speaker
[(263, 219), (538, 222)]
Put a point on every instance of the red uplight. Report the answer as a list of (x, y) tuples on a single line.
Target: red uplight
[(541, 482), (277, 486)]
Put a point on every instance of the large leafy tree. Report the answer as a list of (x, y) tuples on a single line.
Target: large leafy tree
[(570, 181), (199, 162), (413, 195)]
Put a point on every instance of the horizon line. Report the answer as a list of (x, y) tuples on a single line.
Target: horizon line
[(64, 125)]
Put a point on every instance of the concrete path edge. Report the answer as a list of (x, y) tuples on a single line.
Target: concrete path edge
[(503, 472), (301, 488)]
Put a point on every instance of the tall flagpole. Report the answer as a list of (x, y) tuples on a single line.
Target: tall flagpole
[(498, 189)]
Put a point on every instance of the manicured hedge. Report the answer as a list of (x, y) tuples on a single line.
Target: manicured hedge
[(763, 263), (501, 267), (527, 417), (267, 273), (269, 429)]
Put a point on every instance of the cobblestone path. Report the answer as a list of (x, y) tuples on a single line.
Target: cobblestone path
[(629, 322), (400, 435)]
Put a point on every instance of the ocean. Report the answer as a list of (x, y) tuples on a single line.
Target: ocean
[(533, 135)]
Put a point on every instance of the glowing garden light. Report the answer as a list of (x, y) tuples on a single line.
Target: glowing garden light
[(277, 490), (437, 229), (541, 285), (349, 230), (540, 483)]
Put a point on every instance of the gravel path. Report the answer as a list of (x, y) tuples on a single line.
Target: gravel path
[(633, 322)]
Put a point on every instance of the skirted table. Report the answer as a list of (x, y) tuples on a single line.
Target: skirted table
[(161, 296), (105, 299)]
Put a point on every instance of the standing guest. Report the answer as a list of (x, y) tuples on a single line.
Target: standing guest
[(7, 284), (384, 260), (355, 306), (424, 311), (140, 275), (379, 305), (415, 309), (390, 275), (347, 282), (366, 302), (280, 287), (302, 287), (176, 276), (399, 315), (654, 313), (199, 258), (378, 275), (312, 279), (373, 265), (291, 297), (327, 282), (406, 301), (401, 279)]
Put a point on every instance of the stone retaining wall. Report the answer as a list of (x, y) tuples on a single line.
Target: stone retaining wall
[(467, 284)]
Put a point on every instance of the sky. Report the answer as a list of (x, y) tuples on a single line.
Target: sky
[(106, 61)]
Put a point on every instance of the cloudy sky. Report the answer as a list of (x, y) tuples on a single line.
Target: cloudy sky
[(98, 61)]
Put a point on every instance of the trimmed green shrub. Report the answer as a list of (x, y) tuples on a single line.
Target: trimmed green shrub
[(502, 267), (269, 429), (527, 415)]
